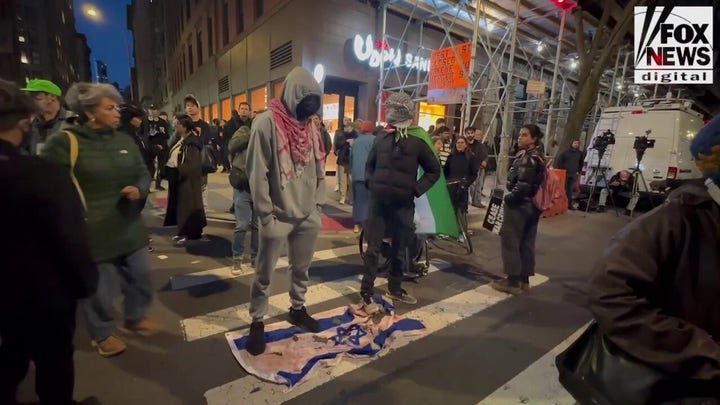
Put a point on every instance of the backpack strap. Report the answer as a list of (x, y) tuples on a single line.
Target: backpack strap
[(74, 152)]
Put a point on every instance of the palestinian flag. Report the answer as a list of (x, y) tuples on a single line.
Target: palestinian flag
[(434, 213)]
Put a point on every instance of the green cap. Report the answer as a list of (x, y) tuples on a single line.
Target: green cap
[(43, 86)]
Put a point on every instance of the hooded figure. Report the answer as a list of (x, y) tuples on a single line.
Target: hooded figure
[(654, 293), (285, 166), (391, 173)]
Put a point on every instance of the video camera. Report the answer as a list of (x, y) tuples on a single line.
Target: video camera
[(602, 141), (642, 143)]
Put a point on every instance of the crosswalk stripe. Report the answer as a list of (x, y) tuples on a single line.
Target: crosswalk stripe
[(183, 281), (537, 384), (238, 316), (436, 316)]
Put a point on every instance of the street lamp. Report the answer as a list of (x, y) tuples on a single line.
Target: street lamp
[(94, 14)]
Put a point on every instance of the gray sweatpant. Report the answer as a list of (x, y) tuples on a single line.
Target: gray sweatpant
[(300, 236)]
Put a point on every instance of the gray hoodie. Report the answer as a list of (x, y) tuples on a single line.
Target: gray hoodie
[(302, 195)]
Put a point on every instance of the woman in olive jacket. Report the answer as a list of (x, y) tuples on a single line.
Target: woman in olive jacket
[(112, 181)]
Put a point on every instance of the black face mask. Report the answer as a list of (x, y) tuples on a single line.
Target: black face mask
[(307, 107)]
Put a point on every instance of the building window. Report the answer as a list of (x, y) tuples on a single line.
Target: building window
[(213, 112), (210, 36), (226, 109), (199, 48), (259, 8), (225, 29), (240, 15), (240, 98), (191, 64), (23, 58), (258, 99), (277, 89), (429, 113)]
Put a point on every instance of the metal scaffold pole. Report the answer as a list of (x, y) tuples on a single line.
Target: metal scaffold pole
[(471, 72), (553, 93), (507, 112), (381, 81)]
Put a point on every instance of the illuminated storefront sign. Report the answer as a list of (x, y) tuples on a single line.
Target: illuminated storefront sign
[(368, 51)]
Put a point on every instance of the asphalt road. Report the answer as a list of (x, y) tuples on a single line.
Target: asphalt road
[(498, 351)]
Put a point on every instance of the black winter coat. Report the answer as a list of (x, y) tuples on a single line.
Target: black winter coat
[(43, 244), (392, 167), (524, 178)]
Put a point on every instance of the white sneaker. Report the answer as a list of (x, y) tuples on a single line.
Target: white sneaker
[(239, 268)]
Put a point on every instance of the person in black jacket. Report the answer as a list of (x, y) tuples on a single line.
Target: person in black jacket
[(131, 123), (571, 161), (46, 263), (520, 215), (391, 172), (461, 170)]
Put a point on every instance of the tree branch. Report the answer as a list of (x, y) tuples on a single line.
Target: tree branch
[(602, 26), (620, 31), (580, 36)]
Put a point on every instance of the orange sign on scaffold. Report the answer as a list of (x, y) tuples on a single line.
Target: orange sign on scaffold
[(448, 74)]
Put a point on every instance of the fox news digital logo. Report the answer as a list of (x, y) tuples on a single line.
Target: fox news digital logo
[(674, 45)]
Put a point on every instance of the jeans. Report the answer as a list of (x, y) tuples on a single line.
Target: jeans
[(517, 239), (398, 221), (477, 187), (570, 186), (129, 275), (244, 218)]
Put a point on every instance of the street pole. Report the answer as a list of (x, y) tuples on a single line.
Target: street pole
[(553, 93), (507, 113)]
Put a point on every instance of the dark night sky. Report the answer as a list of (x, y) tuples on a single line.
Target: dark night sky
[(105, 38)]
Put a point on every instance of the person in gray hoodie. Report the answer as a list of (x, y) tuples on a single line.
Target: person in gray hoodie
[(285, 166)]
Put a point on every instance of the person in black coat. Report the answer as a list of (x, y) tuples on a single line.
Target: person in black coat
[(520, 214), (185, 179), (131, 123), (461, 170), (46, 263), (391, 173)]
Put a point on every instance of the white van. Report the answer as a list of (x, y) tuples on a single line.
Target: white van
[(672, 124)]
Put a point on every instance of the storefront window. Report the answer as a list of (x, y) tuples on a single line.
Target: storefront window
[(331, 110), (226, 109), (240, 98), (429, 113), (206, 113), (213, 112), (349, 107), (258, 99), (277, 89)]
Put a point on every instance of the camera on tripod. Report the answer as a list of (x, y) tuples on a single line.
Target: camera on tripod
[(604, 140), (642, 143)]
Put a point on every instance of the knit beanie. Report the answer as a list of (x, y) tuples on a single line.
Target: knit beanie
[(705, 148)]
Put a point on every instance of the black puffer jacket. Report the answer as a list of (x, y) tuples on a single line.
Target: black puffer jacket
[(524, 178), (392, 168)]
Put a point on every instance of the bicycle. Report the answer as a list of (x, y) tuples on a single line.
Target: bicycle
[(461, 217)]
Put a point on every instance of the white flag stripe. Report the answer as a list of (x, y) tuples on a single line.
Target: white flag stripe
[(238, 316), (537, 384), (436, 316), (183, 281)]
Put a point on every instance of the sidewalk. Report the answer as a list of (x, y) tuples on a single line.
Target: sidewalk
[(337, 217)]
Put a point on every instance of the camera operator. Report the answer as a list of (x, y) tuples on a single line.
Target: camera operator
[(621, 187)]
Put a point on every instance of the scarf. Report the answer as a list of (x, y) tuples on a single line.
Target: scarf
[(295, 141)]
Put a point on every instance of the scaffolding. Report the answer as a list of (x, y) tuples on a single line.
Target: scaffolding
[(506, 48)]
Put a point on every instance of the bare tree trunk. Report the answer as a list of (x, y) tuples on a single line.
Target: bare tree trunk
[(593, 62)]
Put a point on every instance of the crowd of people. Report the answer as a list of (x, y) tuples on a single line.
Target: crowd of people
[(78, 179)]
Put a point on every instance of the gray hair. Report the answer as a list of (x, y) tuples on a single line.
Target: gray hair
[(84, 97)]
